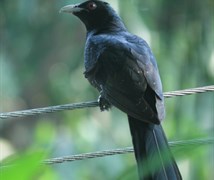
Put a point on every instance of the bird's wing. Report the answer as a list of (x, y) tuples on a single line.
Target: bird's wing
[(129, 80), (147, 63)]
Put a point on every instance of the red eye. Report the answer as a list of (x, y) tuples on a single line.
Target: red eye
[(91, 6)]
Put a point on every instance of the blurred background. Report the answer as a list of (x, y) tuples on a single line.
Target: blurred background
[(41, 64)]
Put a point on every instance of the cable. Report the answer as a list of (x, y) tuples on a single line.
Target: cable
[(45, 110), (52, 109), (84, 156), (189, 91)]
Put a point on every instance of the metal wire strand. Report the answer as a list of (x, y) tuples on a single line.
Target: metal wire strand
[(84, 156), (52, 109)]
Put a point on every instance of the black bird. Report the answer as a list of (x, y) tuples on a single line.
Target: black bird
[(123, 69)]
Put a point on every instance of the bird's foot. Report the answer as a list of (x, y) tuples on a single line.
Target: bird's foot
[(103, 103)]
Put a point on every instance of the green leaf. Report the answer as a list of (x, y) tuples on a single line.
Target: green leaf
[(24, 167)]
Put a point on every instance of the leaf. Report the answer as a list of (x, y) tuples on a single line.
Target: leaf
[(23, 167)]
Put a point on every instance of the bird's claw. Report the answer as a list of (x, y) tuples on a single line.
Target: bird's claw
[(103, 104)]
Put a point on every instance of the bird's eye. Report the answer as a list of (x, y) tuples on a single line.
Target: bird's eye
[(91, 6)]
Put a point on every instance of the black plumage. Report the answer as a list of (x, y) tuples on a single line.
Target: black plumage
[(123, 69)]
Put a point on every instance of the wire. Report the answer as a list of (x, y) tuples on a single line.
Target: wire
[(45, 110), (52, 109), (189, 91), (84, 156)]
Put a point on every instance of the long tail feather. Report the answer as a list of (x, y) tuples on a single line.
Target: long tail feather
[(154, 158)]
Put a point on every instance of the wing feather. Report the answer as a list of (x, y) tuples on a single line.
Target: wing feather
[(127, 75)]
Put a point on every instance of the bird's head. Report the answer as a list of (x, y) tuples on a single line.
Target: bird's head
[(95, 14)]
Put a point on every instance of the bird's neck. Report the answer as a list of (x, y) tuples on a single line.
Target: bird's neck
[(113, 25)]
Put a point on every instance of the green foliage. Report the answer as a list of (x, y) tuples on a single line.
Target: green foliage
[(25, 166)]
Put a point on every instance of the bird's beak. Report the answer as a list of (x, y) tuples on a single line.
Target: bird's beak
[(73, 8)]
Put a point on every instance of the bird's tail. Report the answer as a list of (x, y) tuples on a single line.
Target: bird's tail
[(152, 153)]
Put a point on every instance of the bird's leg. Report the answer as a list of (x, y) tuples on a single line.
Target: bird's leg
[(103, 103)]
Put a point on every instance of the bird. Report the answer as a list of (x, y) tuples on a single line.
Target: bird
[(122, 67)]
